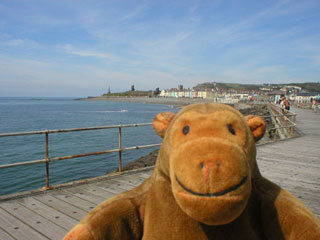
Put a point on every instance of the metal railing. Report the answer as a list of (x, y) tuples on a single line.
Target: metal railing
[(284, 122), (47, 159), (280, 119)]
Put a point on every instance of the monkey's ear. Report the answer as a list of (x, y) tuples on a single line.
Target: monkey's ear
[(161, 122), (257, 126)]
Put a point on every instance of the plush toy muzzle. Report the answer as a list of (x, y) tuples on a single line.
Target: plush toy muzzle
[(208, 162), (209, 185)]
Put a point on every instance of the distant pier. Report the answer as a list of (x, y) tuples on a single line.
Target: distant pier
[(294, 164)]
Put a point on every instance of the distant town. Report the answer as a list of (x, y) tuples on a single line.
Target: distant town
[(232, 92)]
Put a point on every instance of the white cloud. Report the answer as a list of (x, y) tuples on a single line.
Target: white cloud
[(135, 12), (14, 42), (7, 41), (70, 49)]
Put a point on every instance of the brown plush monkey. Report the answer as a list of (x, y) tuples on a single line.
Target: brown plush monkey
[(206, 185)]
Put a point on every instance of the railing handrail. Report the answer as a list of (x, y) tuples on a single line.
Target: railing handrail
[(285, 114), (47, 159), (73, 129)]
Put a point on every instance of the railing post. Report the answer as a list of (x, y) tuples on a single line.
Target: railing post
[(287, 122), (47, 162), (120, 150), (291, 128), (294, 121)]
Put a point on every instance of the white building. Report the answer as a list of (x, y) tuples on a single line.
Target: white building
[(306, 97)]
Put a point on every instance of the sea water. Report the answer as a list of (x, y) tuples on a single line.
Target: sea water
[(33, 114)]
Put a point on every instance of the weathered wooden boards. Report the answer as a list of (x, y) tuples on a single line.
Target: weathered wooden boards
[(293, 164), (52, 214)]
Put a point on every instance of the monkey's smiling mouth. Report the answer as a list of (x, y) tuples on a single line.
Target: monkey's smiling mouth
[(217, 194)]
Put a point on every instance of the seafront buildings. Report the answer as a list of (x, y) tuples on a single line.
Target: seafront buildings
[(265, 94)]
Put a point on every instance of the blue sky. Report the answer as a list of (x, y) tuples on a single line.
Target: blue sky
[(79, 48)]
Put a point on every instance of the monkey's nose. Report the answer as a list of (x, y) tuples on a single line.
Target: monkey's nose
[(209, 168)]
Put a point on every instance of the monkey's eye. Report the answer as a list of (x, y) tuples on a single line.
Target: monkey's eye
[(231, 129), (186, 130)]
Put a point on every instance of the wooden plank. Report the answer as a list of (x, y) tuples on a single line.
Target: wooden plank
[(145, 175), (62, 206), (302, 194), (120, 184), (309, 188), (135, 177), (290, 175), (285, 177), (5, 236), (123, 185), (73, 200), (299, 188), (41, 224), (287, 144), (308, 140), (284, 184), (96, 191), (109, 189), (50, 213), (16, 228), (132, 180), (274, 165), (293, 174), (292, 156), (84, 194), (111, 186)]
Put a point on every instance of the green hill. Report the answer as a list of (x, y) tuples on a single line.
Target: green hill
[(228, 86), (308, 87), (130, 94)]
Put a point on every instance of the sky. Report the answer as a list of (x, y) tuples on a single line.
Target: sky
[(80, 48)]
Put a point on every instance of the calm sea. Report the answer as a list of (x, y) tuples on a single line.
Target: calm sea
[(31, 114)]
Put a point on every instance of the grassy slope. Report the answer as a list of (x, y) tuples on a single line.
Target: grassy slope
[(310, 87)]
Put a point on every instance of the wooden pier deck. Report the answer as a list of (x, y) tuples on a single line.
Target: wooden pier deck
[(293, 164)]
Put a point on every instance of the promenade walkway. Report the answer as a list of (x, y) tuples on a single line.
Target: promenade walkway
[(293, 164)]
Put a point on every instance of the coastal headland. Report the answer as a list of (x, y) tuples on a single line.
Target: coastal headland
[(176, 102)]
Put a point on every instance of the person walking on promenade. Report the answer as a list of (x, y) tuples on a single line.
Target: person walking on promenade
[(314, 105), (285, 104)]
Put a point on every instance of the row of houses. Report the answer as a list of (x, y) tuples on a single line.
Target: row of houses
[(205, 93), (302, 97), (270, 96), (187, 93)]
